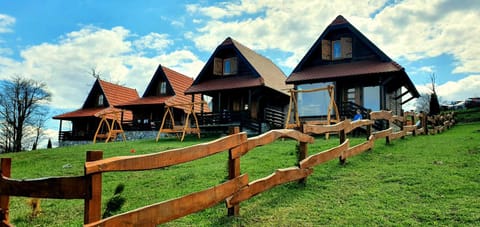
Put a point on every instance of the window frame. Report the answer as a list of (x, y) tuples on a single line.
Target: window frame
[(337, 49)]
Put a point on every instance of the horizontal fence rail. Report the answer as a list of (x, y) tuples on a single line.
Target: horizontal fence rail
[(234, 191)]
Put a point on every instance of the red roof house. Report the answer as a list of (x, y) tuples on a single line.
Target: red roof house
[(102, 98), (167, 87)]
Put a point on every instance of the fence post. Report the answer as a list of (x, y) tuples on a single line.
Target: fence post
[(302, 154), (233, 172), (424, 120), (5, 171), (93, 203), (343, 137)]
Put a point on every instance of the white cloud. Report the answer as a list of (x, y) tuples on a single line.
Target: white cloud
[(454, 90), (6, 22), (461, 89), (289, 26), (408, 29), (422, 29), (115, 53), (153, 41)]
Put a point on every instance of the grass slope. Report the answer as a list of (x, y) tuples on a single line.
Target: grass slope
[(423, 180)]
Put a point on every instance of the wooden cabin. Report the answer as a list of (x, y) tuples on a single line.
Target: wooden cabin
[(244, 88), (364, 76), (101, 99), (167, 87)]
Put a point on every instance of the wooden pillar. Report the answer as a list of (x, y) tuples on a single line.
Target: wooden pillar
[(369, 127), (93, 204), (233, 172), (424, 119), (60, 131), (343, 137), (302, 154), (5, 171)]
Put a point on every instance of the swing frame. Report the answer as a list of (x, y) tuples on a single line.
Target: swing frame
[(297, 124), (189, 110), (112, 132)]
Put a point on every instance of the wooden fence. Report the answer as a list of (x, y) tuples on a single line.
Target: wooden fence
[(234, 191)]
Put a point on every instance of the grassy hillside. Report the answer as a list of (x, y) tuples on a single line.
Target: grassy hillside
[(468, 115), (423, 180)]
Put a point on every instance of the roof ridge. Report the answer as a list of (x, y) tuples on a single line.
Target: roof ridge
[(339, 20)]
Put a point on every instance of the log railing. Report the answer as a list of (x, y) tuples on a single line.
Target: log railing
[(236, 190)]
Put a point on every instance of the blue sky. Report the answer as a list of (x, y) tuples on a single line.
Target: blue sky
[(59, 42)]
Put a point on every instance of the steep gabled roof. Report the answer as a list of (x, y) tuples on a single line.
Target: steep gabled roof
[(327, 70), (113, 93), (116, 94), (266, 72), (340, 23), (177, 83)]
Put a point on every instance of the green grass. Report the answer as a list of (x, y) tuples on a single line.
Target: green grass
[(468, 115), (422, 180)]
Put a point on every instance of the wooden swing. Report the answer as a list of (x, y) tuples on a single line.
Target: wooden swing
[(111, 131), (177, 130), (293, 107)]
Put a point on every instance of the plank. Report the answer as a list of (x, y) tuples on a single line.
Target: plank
[(396, 135), (175, 208), (268, 138), (383, 114), (409, 128), (280, 176), (359, 148), (382, 134), (92, 206), (324, 156), (166, 158), (356, 124), (5, 171), (52, 187), (398, 118), (322, 129), (419, 131)]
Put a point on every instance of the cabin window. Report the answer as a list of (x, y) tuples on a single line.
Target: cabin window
[(313, 103), (100, 100), (224, 67), (337, 49), (162, 88), (371, 98)]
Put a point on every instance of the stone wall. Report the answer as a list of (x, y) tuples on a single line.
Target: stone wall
[(130, 135)]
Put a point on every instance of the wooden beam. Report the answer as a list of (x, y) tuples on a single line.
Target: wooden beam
[(93, 204), (324, 156), (52, 187), (166, 158), (379, 115), (408, 100), (269, 137), (280, 176), (359, 148), (162, 212), (357, 124), (322, 129), (233, 172), (403, 94), (5, 171), (396, 135), (302, 154)]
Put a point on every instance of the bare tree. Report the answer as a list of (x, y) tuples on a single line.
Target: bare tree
[(434, 105), (423, 103), (95, 73), (38, 122), (23, 100)]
